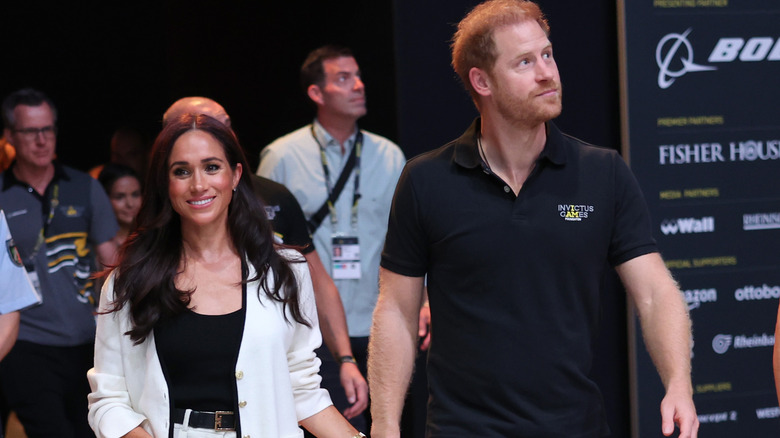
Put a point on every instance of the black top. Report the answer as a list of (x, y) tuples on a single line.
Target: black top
[(284, 212), (514, 281), (198, 354)]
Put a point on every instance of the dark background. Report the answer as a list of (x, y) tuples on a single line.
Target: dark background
[(112, 64)]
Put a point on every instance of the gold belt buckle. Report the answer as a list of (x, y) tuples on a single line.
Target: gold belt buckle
[(218, 421)]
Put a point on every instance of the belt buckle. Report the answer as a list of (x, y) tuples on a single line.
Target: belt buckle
[(218, 421)]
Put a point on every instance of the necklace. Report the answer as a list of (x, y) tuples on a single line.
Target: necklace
[(482, 153)]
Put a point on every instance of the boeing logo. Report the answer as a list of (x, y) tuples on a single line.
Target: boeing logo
[(675, 46), (688, 225), (666, 77)]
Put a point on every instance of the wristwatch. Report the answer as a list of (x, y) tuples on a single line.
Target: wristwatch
[(347, 359), (359, 435)]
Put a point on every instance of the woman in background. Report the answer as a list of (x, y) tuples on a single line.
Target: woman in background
[(205, 328), (123, 187)]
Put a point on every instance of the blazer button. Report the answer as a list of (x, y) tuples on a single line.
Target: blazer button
[(239, 375), (242, 404)]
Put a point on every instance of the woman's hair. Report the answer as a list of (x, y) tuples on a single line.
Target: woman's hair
[(150, 259), (111, 172)]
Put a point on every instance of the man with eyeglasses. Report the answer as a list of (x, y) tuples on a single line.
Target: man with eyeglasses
[(60, 219)]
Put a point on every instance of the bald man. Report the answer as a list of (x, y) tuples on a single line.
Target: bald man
[(289, 226)]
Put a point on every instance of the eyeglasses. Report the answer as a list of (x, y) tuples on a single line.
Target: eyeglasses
[(31, 133)]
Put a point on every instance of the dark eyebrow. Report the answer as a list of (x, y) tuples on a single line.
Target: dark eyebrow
[(205, 160)]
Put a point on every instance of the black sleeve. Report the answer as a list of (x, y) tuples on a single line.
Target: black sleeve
[(284, 212), (405, 250)]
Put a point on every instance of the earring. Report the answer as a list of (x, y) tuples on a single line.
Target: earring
[(234, 188)]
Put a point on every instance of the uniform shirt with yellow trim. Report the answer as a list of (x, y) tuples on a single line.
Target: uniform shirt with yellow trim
[(83, 218)]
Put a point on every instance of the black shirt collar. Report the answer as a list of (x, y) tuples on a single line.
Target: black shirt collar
[(9, 179), (467, 153)]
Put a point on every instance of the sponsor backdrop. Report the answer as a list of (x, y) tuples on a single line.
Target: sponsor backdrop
[(702, 134)]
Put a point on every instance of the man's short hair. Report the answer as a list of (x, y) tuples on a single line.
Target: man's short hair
[(473, 44), (25, 96), (312, 71)]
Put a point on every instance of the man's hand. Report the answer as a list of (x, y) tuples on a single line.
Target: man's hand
[(677, 408), (424, 331), (355, 388)]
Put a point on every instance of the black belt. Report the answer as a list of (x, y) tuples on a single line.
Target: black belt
[(220, 420)]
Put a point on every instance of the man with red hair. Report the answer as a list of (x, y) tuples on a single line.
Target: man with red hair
[(514, 224)]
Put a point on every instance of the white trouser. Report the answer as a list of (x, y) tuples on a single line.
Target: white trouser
[(180, 431)]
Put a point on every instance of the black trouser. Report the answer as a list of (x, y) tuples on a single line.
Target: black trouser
[(47, 388)]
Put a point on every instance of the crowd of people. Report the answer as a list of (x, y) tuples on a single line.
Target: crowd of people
[(179, 293)]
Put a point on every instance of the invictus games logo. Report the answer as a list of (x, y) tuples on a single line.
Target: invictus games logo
[(688, 225), (270, 211), (674, 54), (721, 343), (571, 212), (13, 252)]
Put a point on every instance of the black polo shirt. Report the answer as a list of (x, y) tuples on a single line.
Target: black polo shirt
[(284, 212), (514, 281)]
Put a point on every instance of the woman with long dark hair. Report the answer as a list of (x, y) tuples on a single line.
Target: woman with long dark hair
[(206, 328), (123, 187)]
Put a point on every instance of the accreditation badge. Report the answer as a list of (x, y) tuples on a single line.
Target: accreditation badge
[(346, 258), (35, 281)]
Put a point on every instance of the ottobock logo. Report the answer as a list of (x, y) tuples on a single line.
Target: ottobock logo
[(688, 225), (674, 47), (750, 293)]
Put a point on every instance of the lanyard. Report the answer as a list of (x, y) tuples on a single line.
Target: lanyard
[(53, 203), (356, 150)]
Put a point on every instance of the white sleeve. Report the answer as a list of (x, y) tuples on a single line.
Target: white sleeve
[(303, 363), (110, 410)]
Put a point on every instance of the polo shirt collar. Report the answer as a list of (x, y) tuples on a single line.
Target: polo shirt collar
[(327, 140), (9, 179), (467, 154)]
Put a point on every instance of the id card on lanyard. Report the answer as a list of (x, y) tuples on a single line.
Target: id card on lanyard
[(345, 249), (346, 258)]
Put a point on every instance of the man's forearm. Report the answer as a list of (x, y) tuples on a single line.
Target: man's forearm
[(392, 349), (776, 356), (330, 310), (666, 328)]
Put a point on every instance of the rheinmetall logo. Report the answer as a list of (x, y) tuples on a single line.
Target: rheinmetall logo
[(722, 342), (688, 225), (674, 54)]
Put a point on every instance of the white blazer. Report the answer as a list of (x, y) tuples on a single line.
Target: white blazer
[(276, 371)]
